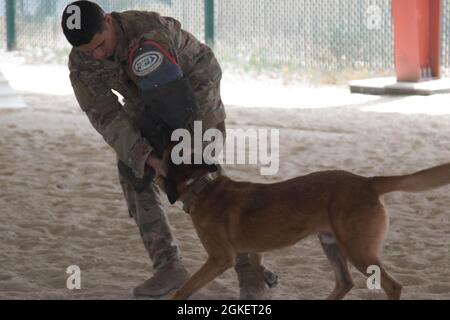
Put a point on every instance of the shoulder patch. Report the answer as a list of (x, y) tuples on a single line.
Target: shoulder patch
[(146, 63)]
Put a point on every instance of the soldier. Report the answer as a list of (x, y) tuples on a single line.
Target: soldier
[(134, 53)]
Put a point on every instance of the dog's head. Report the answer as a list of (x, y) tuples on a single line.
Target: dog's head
[(179, 177)]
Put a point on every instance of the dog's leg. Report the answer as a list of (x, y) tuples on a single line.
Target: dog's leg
[(344, 282), (360, 234), (208, 272), (257, 259), (221, 257), (392, 288), (363, 259)]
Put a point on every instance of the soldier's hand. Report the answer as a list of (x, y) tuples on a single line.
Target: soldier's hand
[(157, 165)]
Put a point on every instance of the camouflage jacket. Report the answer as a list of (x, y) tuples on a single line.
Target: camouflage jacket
[(119, 121)]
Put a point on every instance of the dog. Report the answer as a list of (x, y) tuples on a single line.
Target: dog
[(344, 209)]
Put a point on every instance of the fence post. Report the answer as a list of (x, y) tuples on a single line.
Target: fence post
[(11, 25), (209, 22)]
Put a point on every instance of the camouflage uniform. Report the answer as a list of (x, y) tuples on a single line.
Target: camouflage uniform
[(119, 124)]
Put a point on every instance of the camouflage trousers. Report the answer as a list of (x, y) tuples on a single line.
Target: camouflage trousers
[(148, 211)]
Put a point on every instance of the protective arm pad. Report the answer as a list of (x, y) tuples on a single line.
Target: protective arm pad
[(167, 94), (175, 103)]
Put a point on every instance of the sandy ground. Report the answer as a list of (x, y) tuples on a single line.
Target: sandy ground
[(61, 204)]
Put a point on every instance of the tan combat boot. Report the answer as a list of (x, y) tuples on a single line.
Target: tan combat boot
[(254, 282), (168, 278)]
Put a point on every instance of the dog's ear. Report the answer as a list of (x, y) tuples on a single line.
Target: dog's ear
[(171, 191)]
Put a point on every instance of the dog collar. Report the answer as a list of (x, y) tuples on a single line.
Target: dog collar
[(195, 189)]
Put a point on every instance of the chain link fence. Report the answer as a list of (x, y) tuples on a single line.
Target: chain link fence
[(327, 34), (284, 35), (446, 37)]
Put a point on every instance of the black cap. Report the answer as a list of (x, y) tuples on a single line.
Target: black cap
[(91, 21)]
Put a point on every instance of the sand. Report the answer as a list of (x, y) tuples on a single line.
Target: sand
[(61, 204)]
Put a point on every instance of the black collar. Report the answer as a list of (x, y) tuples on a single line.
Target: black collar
[(196, 188)]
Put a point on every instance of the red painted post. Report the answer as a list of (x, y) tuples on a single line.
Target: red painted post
[(417, 39)]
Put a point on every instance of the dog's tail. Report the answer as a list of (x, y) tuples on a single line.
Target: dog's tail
[(418, 182)]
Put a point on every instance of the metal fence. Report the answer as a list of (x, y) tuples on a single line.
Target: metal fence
[(327, 35), (446, 37)]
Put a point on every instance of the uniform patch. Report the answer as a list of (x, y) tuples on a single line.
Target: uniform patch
[(147, 62)]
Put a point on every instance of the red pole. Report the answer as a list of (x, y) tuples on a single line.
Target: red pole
[(417, 39)]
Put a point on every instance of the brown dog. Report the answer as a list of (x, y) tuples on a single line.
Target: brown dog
[(344, 209)]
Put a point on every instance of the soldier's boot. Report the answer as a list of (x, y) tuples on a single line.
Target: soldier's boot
[(254, 281), (166, 279)]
